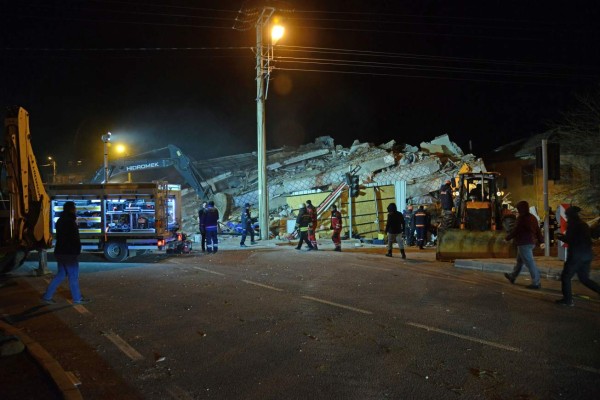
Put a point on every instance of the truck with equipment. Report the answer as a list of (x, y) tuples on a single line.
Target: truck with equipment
[(120, 219)]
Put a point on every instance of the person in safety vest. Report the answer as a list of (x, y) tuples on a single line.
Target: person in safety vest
[(302, 222), (421, 224)]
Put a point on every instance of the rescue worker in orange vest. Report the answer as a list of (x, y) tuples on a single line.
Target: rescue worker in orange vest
[(421, 224), (336, 225), (312, 227), (302, 222)]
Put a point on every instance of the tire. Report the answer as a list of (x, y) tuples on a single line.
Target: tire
[(116, 251)]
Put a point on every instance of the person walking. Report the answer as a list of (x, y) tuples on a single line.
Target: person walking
[(312, 227), (394, 228), (409, 231), (421, 224), (336, 225), (247, 226), (525, 235), (201, 227), (579, 255), (210, 221), (66, 252), (302, 222)]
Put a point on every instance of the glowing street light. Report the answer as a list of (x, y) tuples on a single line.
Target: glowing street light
[(53, 162), (277, 33)]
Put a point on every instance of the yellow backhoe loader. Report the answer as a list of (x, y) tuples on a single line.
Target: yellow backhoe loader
[(24, 203), (478, 226)]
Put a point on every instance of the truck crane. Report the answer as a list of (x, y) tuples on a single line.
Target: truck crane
[(24, 203), (176, 159)]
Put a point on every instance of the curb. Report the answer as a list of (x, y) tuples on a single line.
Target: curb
[(490, 265), (60, 377)]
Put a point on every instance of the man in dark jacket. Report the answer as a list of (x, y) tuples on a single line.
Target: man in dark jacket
[(525, 234), (312, 227), (409, 230), (66, 252), (579, 255), (302, 223), (394, 228), (201, 228), (210, 221), (247, 226)]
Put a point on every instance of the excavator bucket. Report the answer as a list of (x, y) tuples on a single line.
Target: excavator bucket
[(455, 244)]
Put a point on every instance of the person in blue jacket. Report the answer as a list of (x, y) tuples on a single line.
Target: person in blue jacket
[(210, 222)]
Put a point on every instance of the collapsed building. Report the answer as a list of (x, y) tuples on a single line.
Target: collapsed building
[(317, 171)]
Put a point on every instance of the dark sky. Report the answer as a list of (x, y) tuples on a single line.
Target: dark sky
[(175, 71)]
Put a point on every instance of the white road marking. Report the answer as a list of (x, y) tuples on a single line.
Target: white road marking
[(470, 338), (588, 369), (123, 346), (209, 271), (337, 305), (262, 285)]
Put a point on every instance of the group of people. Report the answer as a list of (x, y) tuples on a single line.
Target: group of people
[(306, 226), (527, 234), (417, 224)]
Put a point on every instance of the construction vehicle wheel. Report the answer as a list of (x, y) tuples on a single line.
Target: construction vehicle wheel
[(115, 251), (11, 261)]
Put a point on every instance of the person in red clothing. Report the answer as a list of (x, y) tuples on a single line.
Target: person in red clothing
[(526, 233), (336, 225), (312, 227)]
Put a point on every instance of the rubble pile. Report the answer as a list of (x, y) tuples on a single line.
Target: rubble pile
[(322, 165)]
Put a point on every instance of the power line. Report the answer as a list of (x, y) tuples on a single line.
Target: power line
[(421, 76)]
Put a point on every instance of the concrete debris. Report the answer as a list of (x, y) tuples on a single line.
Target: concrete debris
[(322, 166)]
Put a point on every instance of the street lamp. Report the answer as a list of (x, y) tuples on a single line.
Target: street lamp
[(263, 69), (53, 162), (105, 140)]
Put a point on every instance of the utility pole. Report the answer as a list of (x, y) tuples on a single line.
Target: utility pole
[(545, 190), (262, 58)]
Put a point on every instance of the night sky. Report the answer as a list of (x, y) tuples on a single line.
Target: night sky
[(177, 72)]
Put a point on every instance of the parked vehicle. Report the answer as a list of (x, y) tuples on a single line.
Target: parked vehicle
[(478, 229), (122, 218)]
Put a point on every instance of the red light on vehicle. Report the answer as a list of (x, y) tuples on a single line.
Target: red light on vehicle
[(179, 236), (161, 243)]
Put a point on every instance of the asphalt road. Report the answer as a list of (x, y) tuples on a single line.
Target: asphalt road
[(286, 324)]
